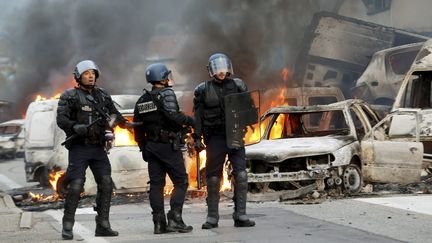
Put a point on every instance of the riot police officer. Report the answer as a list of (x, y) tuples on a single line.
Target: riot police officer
[(159, 140), (210, 125), (85, 112)]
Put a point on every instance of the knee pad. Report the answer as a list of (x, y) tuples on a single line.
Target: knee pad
[(241, 177), (183, 184), (105, 183), (76, 185)]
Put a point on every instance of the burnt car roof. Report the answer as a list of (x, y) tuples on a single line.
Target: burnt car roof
[(314, 108), (18, 122)]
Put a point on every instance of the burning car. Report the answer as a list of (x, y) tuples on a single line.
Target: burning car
[(44, 153), (12, 139), (327, 146)]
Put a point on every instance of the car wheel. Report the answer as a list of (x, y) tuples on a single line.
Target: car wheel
[(352, 179), (43, 177)]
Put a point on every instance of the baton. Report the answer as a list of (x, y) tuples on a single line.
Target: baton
[(198, 170), (73, 136)]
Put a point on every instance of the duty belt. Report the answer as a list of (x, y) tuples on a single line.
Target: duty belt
[(162, 136)]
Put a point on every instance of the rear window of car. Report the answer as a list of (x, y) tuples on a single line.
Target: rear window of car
[(401, 62)]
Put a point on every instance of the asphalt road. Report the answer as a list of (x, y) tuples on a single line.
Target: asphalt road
[(392, 218)]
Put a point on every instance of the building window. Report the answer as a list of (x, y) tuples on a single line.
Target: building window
[(376, 6)]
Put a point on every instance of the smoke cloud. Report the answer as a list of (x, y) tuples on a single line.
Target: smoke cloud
[(46, 38)]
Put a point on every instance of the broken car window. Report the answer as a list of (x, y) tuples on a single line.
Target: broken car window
[(309, 125), (401, 62), (418, 92)]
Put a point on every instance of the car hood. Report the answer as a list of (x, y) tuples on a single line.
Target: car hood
[(5, 138), (282, 149)]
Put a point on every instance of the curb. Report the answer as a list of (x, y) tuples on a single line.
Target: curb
[(26, 218)]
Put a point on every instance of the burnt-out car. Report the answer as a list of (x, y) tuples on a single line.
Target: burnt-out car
[(326, 145), (12, 139)]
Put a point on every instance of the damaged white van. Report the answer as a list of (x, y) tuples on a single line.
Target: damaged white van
[(416, 93), (44, 152)]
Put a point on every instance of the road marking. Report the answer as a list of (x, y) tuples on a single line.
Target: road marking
[(420, 204), (8, 182), (78, 228)]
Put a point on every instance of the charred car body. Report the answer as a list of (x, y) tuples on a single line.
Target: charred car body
[(416, 93), (44, 153), (337, 49), (382, 78), (322, 145)]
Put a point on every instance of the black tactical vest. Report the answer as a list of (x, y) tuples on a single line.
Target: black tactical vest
[(214, 110), (84, 112), (150, 108)]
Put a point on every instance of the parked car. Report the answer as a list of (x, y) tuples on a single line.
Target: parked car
[(12, 139), (332, 146)]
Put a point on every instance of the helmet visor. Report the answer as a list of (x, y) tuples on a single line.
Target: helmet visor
[(219, 65)]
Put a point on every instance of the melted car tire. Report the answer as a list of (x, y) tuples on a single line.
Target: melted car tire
[(352, 179)]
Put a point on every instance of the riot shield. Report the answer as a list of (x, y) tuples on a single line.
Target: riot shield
[(241, 111)]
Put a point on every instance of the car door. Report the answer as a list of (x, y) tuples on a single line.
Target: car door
[(391, 152)]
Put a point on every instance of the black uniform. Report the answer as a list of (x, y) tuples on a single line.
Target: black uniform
[(210, 124), (159, 140), (77, 106)]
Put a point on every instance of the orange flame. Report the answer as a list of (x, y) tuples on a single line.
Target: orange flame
[(40, 97), (54, 177), (285, 74), (168, 191), (124, 137)]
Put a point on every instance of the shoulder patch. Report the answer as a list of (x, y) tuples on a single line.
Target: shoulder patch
[(145, 107)]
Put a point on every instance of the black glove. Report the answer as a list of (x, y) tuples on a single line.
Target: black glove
[(80, 129), (198, 145)]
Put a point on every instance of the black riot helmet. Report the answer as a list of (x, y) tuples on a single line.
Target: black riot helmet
[(83, 66), (157, 72), (219, 62)]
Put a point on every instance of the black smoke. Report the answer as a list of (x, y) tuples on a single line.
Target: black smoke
[(46, 38), (260, 37)]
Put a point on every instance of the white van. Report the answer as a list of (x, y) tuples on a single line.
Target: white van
[(44, 152), (416, 93), (12, 139)]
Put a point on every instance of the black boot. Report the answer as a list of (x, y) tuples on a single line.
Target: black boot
[(213, 185), (160, 224), (70, 206), (175, 222), (103, 204), (240, 193)]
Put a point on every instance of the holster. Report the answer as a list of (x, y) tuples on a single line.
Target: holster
[(175, 140)]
